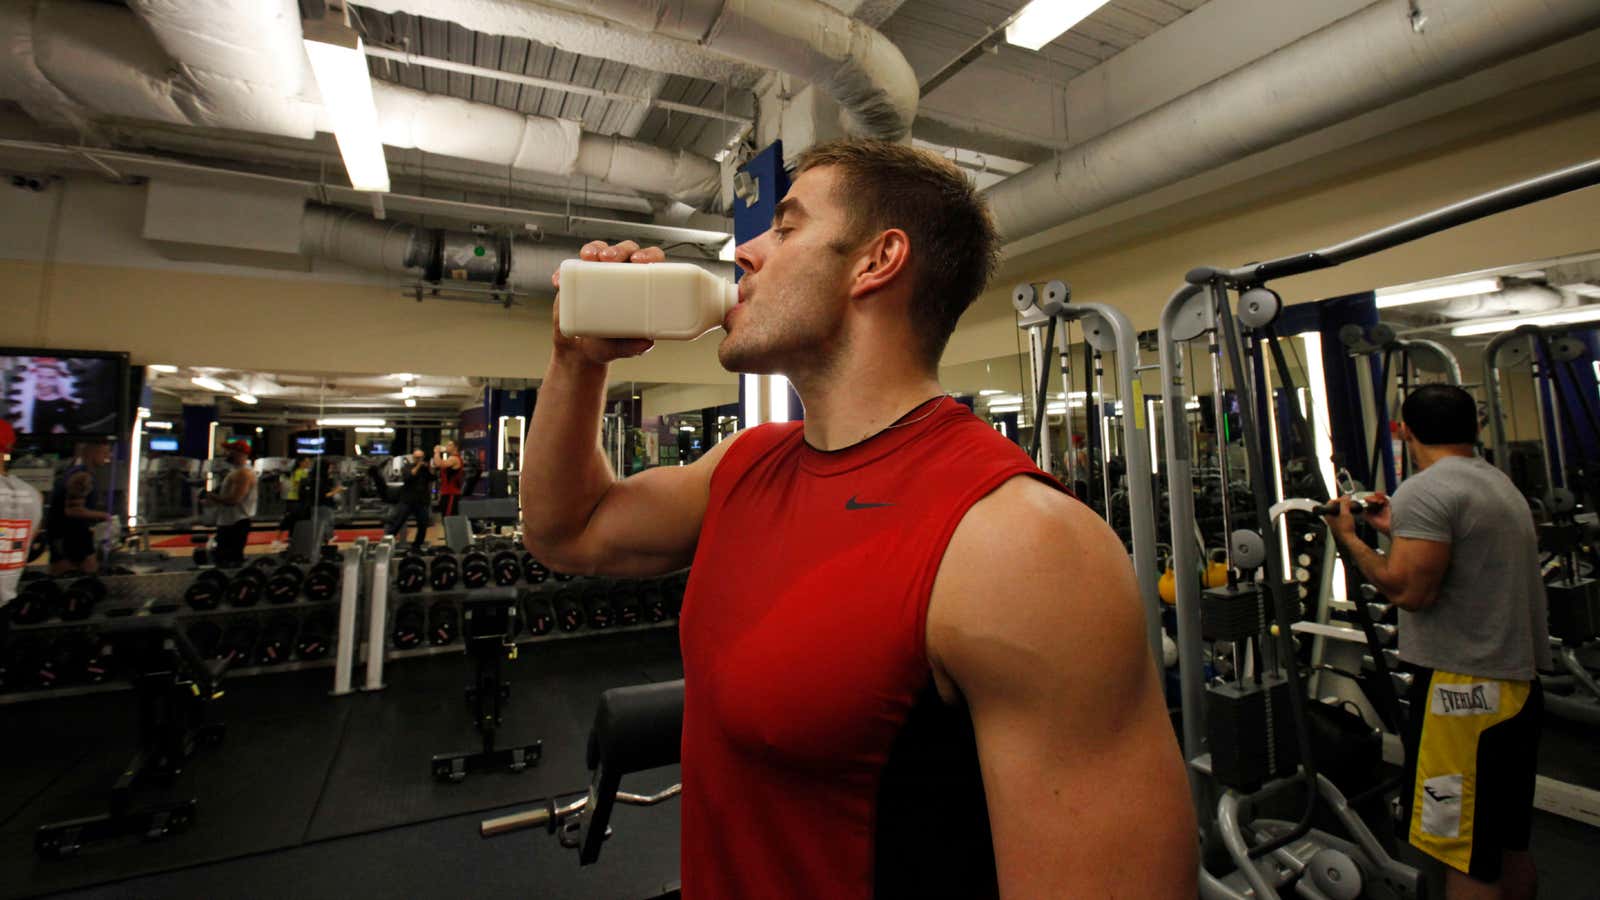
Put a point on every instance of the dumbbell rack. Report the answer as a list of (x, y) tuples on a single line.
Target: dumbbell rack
[(385, 600), (161, 596)]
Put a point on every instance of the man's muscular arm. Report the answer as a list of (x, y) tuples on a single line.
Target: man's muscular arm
[(577, 516), (1035, 620), (1408, 576)]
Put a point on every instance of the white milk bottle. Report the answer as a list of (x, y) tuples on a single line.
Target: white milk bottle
[(660, 301)]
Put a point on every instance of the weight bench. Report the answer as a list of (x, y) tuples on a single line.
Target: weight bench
[(488, 626), (176, 687), (635, 729)]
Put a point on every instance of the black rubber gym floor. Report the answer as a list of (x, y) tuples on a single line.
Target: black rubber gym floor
[(315, 797), (299, 768)]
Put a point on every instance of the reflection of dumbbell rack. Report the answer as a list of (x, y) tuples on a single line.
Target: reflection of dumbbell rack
[(57, 652), (425, 594)]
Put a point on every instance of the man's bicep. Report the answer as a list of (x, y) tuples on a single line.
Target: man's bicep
[(1421, 565)]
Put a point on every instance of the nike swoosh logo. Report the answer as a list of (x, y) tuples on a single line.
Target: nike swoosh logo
[(852, 504)]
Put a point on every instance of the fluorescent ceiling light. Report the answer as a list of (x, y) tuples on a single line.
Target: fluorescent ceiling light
[(153, 425), (1562, 317), (259, 429), (404, 376), (341, 73), (1583, 289), (163, 369), (1389, 298), (411, 402), (210, 384), (685, 427), (728, 248), (989, 392), (247, 399), (352, 422), (1042, 21), (373, 430), (1006, 408)]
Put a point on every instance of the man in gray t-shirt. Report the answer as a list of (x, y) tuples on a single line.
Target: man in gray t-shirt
[(1463, 567)]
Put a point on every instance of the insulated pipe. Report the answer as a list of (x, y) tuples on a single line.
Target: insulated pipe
[(243, 62), (853, 62), (450, 126), (566, 30), (74, 59), (358, 240), (1371, 58)]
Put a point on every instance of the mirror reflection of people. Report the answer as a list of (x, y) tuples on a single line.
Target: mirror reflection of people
[(295, 494), (413, 499), (21, 512), (236, 504), (447, 463), (75, 508)]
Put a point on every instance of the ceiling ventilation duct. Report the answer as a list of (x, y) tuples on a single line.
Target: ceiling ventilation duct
[(358, 240), (863, 71), (241, 65), (1515, 299), (1362, 62)]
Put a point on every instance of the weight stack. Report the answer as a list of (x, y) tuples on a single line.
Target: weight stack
[(1574, 609), (1233, 613), (1237, 730)]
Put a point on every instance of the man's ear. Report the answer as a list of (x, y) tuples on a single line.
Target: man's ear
[(885, 258)]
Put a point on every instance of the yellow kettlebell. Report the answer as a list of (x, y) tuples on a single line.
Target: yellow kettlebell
[(1167, 587)]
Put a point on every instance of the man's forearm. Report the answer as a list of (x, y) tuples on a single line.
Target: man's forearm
[(564, 471), (1374, 566)]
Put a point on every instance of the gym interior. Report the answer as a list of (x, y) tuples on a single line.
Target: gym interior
[(1236, 233)]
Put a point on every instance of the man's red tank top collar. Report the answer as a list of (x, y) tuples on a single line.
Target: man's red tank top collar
[(912, 426)]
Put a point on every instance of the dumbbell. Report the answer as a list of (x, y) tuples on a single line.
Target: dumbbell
[(602, 612), (541, 619), (238, 641), (264, 564), (245, 588), (629, 608), (207, 590), (284, 584), (38, 600), (322, 582), (444, 573), (533, 570), (409, 623), (476, 570), (570, 614), (102, 662), (443, 623), (277, 639), (507, 568), (207, 639), (411, 574), (66, 662), (78, 601), (653, 602), (316, 635), (561, 577)]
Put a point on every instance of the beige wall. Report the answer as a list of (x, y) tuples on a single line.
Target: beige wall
[(688, 398)]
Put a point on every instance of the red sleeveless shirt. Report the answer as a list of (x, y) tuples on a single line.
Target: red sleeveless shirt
[(818, 760)]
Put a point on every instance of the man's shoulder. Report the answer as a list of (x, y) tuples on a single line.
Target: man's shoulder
[(1025, 517)]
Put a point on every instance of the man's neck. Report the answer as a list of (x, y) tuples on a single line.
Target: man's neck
[(856, 401), (1426, 455)]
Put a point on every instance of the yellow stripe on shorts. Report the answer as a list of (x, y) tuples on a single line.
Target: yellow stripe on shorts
[(1460, 709)]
